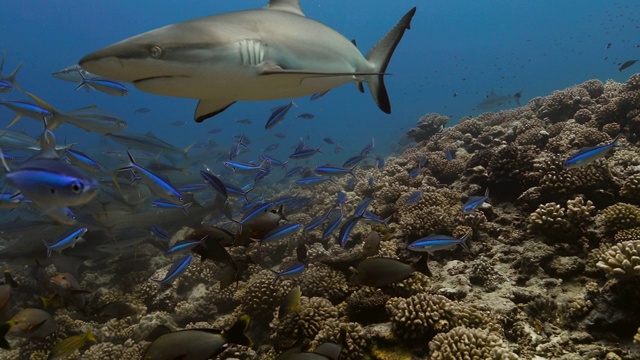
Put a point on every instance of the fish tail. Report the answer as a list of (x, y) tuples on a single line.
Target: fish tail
[(4, 329), (185, 207), (421, 265), (380, 55), (48, 248), (4, 162), (236, 335), (464, 241), (12, 78)]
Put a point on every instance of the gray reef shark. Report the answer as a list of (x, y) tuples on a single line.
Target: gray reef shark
[(262, 54), (493, 101)]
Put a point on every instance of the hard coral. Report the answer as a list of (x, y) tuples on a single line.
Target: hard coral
[(631, 187), (352, 336), (428, 125), (621, 260), (321, 280), (464, 343), (618, 217)]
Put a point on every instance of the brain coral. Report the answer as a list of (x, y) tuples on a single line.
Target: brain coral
[(463, 343)]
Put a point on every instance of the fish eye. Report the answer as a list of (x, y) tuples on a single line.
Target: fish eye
[(155, 52), (76, 187)]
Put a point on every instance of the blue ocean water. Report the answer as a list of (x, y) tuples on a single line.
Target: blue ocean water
[(453, 56)]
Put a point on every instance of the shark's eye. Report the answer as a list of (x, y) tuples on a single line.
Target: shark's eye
[(155, 52)]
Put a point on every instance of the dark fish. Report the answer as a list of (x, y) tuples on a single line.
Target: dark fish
[(627, 64), (157, 332), (318, 95), (215, 131), (280, 135), (371, 244), (301, 251), (328, 140), (8, 279), (305, 116), (213, 248), (244, 121), (141, 110), (178, 123), (116, 310), (197, 343), (379, 272)]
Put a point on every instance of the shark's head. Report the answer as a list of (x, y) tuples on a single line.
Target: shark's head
[(149, 57)]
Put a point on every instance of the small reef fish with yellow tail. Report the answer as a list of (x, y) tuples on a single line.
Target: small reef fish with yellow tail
[(263, 54), (67, 346)]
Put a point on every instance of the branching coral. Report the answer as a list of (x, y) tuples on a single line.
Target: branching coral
[(321, 280), (621, 260), (618, 217)]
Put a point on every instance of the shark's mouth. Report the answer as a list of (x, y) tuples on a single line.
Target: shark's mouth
[(139, 81)]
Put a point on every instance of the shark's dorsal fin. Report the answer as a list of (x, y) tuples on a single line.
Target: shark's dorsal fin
[(290, 6)]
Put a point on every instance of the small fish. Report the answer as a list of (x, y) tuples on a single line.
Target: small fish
[(328, 140), (154, 182), (160, 232), (413, 173), (433, 243), (178, 123), (590, 154), (341, 198), (273, 161), (185, 245), (627, 64), (318, 95), (475, 202), (290, 303), (71, 73), (24, 108), (67, 241), (293, 171), (413, 198), (280, 135), (215, 183), (315, 222), (370, 181), (312, 180), (353, 161), (422, 162), (215, 131), (244, 121), (271, 147), (178, 267), (305, 116), (278, 233), (337, 149), (304, 153), (350, 185), (193, 188), (345, 230), (67, 346), (368, 148), (279, 114), (242, 167), (291, 271), (448, 155), (81, 160), (335, 218), (142, 111), (7, 83), (162, 204), (362, 207), (371, 244), (379, 162), (328, 170), (106, 86)]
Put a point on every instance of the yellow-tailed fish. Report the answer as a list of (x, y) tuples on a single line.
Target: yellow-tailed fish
[(67, 346)]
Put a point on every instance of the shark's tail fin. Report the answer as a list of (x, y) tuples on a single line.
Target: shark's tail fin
[(380, 55)]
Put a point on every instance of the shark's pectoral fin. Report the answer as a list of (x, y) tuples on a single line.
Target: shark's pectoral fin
[(210, 107)]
